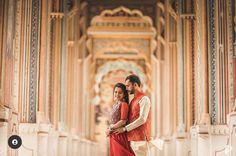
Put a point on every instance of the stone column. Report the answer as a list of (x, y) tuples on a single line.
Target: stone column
[(43, 64), (201, 63), (201, 16), (80, 95)]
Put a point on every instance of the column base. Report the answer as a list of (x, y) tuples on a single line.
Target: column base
[(4, 126), (231, 121), (182, 144), (62, 146), (29, 135)]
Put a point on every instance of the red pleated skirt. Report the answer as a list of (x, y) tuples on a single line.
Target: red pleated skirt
[(120, 146)]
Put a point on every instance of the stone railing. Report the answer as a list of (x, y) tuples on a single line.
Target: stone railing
[(43, 140)]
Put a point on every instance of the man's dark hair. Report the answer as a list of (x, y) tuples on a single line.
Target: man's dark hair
[(133, 79)]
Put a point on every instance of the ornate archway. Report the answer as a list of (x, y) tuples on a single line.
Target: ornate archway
[(106, 77), (128, 66), (120, 41)]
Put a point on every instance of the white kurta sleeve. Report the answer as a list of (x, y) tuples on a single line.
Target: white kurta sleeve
[(144, 105)]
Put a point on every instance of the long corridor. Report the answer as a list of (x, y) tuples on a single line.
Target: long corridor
[(60, 59)]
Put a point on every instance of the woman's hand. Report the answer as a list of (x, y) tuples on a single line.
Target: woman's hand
[(119, 130), (109, 130)]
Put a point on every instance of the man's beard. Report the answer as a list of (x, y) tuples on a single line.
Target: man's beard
[(131, 91)]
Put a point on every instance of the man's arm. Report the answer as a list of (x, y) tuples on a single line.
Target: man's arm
[(144, 105)]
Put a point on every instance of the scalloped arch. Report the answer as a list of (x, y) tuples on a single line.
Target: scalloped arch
[(117, 65), (120, 9), (132, 13)]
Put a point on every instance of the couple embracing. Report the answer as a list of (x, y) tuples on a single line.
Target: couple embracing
[(129, 126)]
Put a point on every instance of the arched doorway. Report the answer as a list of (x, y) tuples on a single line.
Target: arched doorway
[(106, 77), (121, 42)]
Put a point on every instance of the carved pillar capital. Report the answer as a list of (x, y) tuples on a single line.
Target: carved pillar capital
[(188, 16), (44, 128), (231, 119), (204, 119), (42, 118), (199, 129), (56, 15)]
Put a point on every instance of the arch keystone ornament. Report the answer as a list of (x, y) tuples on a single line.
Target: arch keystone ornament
[(122, 21)]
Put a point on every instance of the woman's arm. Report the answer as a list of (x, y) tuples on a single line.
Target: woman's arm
[(123, 116)]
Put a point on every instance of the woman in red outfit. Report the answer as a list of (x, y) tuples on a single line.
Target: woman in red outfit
[(119, 145)]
